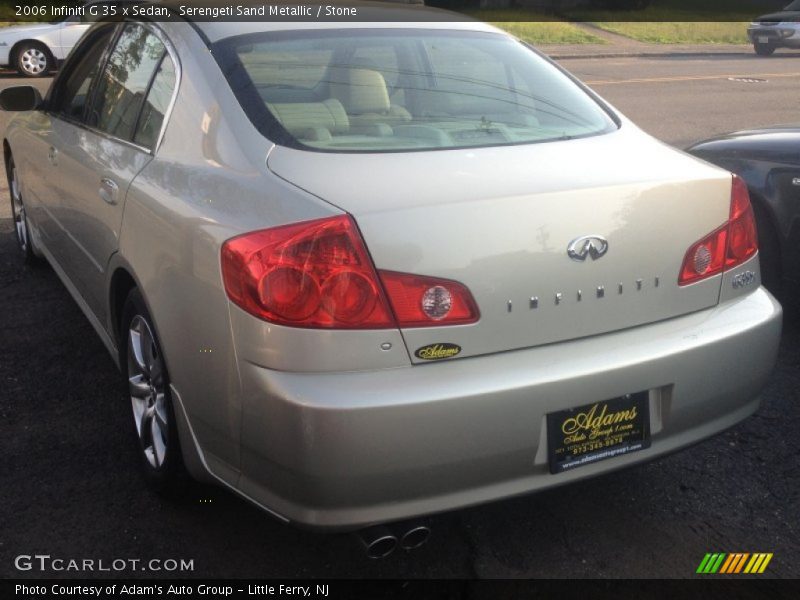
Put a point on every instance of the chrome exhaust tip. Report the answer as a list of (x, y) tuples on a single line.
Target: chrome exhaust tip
[(377, 540), (415, 536)]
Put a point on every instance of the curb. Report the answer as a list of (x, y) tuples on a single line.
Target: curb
[(645, 54)]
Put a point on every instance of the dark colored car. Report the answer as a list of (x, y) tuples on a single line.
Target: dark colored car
[(776, 30), (769, 161)]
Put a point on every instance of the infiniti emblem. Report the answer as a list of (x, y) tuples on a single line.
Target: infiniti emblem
[(588, 245)]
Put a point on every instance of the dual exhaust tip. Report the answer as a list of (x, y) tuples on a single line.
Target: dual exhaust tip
[(379, 541)]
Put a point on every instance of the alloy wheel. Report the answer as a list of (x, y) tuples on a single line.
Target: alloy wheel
[(18, 212), (147, 390)]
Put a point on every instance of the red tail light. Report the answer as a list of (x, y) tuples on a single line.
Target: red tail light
[(425, 301), (311, 274), (742, 232), (730, 245), (318, 274)]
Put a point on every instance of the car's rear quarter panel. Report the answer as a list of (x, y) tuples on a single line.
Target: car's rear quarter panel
[(207, 184)]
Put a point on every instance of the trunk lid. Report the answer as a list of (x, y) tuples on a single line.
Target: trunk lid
[(500, 220)]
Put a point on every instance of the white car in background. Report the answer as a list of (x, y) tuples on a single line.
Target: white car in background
[(35, 49)]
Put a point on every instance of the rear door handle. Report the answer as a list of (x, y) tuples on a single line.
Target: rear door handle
[(52, 153), (108, 190)]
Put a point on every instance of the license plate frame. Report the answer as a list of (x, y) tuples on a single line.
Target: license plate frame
[(598, 431)]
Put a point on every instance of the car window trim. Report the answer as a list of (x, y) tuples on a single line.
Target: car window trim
[(176, 63), (146, 95), (173, 54), (170, 50)]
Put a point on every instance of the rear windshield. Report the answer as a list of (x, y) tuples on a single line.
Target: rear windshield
[(400, 90)]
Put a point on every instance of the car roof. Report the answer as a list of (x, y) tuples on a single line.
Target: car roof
[(376, 14)]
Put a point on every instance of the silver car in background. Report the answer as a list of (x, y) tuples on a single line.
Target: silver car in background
[(769, 32), (359, 273)]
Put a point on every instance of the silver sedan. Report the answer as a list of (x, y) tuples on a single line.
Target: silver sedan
[(362, 273)]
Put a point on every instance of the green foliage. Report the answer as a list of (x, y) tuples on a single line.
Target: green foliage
[(680, 32), (682, 11), (535, 28)]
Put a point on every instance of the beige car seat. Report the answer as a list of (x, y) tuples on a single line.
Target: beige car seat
[(311, 120), (364, 96)]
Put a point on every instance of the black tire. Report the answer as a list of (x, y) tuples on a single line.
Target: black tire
[(168, 475), (32, 59), (769, 251), (764, 49), (22, 231)]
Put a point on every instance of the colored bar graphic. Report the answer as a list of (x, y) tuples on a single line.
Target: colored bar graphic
[(730, 561), (718, 564), (724, 563), (703, 563), (741, 562), (765, 563), (754, 563)]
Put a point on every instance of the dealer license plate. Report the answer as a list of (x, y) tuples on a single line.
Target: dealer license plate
[(597, 431)]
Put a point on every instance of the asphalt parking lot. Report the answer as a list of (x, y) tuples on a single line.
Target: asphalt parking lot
[(71, 488)]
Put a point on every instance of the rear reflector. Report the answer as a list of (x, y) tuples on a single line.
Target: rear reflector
[(728, 246), (318, 274)]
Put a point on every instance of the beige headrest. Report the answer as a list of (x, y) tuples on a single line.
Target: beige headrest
[(298, 117), (360, 90)]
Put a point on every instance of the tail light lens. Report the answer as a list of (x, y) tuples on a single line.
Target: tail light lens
[(730, 245), (742, 231), (425, 301), (311, 274), (317, 274)]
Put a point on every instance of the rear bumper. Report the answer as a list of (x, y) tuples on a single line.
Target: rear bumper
[(343, 450)]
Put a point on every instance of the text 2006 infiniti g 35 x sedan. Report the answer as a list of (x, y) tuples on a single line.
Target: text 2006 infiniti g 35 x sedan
[(360, 273)]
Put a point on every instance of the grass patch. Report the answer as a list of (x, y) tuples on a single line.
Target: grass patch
[(701, 11), (682, 21), (535, 28), (680, 32)]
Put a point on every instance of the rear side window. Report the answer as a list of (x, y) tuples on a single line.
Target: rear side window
[(124, 83), (156, 104), (74, 91)]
